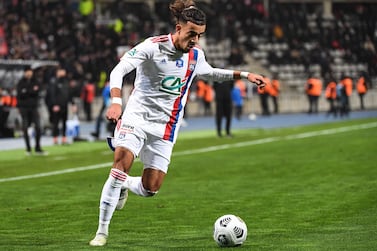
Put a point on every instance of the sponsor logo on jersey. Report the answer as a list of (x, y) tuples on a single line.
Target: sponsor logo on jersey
[(172, 85), (124, 129), (132, 52)]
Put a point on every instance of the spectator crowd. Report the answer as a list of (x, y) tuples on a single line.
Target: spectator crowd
[(87, 37)]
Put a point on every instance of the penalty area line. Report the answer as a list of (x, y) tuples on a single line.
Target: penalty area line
[(206, 150)]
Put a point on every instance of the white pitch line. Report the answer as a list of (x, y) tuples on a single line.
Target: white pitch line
[(206, 150), (70, 170)]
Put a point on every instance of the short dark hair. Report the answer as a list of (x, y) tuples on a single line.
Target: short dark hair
[(186, 11), (193, 15)]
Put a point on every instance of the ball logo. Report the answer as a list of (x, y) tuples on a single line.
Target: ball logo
[(221, 238), (224, 222), (238, 231), (172, 85)]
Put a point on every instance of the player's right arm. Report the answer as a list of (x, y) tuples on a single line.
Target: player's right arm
[(115, 110), (128, 62)]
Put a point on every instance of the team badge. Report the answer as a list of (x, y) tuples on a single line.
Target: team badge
[(192, 65), (179, 63)]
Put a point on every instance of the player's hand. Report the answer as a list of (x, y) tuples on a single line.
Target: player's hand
[(114, 112), (256, 79)]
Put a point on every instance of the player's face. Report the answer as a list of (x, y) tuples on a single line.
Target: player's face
[(187, 36)]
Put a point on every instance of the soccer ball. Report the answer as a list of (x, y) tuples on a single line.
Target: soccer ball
[(229, 230)]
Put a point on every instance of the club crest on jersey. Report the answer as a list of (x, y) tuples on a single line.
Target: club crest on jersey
[(122, 135), (192, 65), (172, 85), (179, 63)]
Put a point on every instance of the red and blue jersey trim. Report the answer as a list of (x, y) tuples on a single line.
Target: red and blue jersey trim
[(171, 126)]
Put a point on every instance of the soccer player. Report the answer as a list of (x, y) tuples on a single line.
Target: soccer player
[(165, 67)]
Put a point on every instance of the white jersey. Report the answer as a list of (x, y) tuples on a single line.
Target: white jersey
[(163, 78)]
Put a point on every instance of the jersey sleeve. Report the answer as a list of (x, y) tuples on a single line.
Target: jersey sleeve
[(129, 61), (206, 71)]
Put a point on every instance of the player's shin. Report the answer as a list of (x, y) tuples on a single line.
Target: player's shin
[(109, 199), (135, 185)]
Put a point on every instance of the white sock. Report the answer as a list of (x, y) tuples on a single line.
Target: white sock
[(109, 199), (135, 185)]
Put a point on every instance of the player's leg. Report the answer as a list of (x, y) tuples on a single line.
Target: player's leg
[(127, 145), (147, 185), (123, 159), (155, 156)]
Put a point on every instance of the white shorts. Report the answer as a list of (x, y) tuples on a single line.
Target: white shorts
[(153, 151)]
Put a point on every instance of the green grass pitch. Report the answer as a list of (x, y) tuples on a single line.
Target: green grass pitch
[(302, 188)]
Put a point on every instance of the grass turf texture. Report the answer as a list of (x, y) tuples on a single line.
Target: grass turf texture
[(315, 193)]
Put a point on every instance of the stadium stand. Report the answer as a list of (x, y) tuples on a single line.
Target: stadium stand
[(292, 38), (300, 40)]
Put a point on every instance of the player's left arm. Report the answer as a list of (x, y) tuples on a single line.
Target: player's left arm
[(206, 71)]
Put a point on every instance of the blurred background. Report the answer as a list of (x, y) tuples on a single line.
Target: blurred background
[(287, 40)]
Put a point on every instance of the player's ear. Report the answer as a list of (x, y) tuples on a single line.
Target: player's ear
[(178, 27)]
